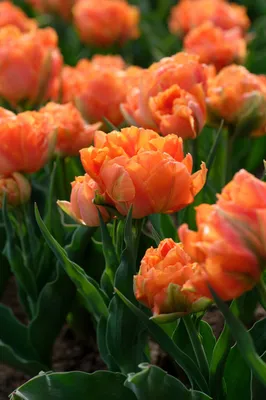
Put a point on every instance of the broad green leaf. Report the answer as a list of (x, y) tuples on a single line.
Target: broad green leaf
[(181, 339), (94, 298), (102, 345), (164, 226), (15, 347), (258, 389), (100, 385), (243, 340), (237, 374), (5, 273), (12, 251), (9, 357), (168, 345), (54, 303), (126, 335), (219, 357), (207, 338), (154, 383)]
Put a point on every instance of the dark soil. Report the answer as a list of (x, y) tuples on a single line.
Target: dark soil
[(71, 353)]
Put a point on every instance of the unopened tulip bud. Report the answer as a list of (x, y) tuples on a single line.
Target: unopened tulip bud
[(16, 188)]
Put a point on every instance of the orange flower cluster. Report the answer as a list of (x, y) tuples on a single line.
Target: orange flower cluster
[(16, 188), (98, 87), (214, 30), (239, 98), (188, 14), (12, 15), (127, 167), (26, 141), (105, 22), (170, 97), (216, 46), (72, 133), (30, 64), (227, 252), (60, 7)]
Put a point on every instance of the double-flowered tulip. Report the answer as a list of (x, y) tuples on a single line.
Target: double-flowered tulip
[(30, 65), (161, 281), (170, 97), (188, 14), (239, 98), (105, 22), (16, 188), (138, 167), (26, 141), (230, 240)]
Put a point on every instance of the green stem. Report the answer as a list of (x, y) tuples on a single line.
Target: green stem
[(197, 346)]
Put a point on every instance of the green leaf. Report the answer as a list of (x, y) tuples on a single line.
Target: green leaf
[(54, 303), (102, 345), (219, 357), (94, 298), (168, 345), (100, 385), (243, 340), (126, 336), (258, 390), (22, 272), (208, 339), (154, 383), (256, 156), (15, 347), (164, 226), (5, 273), (181, 339), (237, 373)]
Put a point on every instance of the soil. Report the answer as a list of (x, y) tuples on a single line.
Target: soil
[(72, 353)]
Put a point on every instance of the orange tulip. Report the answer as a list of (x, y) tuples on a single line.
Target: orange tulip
[(188, 14), (243, 204), (72, 133), (81, 206), (238, 97), (215, 46), (104, 22), (160, 283), (128, 167), (30, 63), (26, 142), (16, 188), (60, 7), (12, 15), (231, 237), (170, 97)]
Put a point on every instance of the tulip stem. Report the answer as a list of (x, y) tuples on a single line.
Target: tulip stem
[(261, 287), (197, 346)]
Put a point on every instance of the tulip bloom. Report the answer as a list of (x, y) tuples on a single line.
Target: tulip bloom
[(30, 64), (72, 133), (105, 22), (188, 14), (12, 15), (215, 46), (60, 7), (81, 207), (16, 188), (170, 97), (238, 97), (98, 87), (26, 142), (230, 241), (160, 283), (129, 166)]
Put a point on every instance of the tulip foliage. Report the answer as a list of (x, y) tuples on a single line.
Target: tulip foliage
[(133, 195)]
